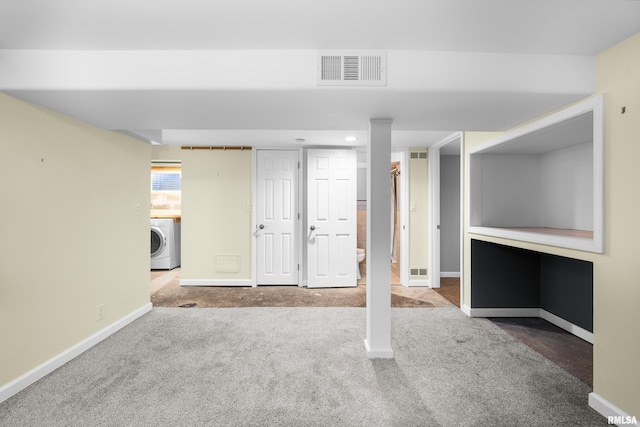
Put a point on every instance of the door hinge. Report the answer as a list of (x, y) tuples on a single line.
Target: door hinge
[(298, 267), (298, 165), (298, 215)]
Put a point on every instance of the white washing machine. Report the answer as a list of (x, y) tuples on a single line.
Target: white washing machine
[(165, 243)]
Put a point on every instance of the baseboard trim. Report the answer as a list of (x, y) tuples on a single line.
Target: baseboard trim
[(417, 282), (609, 410), (466, 310), (386, 353), (24, 381), (449, 274), (567, 326), (504, 312), (531, 312), (247, 283)]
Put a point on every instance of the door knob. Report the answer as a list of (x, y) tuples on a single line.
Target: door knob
[(313, 227), (261, 226)]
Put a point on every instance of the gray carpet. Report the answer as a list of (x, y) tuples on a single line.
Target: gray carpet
[(304, 367)]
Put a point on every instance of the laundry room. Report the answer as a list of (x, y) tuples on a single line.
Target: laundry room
[(207, 194), (166, 217)]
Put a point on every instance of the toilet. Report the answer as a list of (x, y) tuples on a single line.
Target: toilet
[(360, 259)]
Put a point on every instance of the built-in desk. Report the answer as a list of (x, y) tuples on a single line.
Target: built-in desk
[(523, 283)]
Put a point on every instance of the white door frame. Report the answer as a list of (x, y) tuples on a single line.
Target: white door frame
[(434, 210), (254, 216), (403, 158)]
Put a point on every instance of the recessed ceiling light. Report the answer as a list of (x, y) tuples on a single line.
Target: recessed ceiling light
[(351, 139)]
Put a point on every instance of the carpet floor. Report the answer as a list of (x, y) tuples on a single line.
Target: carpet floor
[(563, 348), (304, 367)]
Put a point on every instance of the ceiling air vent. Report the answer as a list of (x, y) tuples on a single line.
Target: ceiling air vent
[(352, 68)]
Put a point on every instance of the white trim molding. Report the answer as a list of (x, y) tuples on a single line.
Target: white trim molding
[(434, 203), (403, 158), (466, 310), (567, 326), (609, 410), (417, 283), (449, 274), (24, 381), (386, 353), (247, 283), (504, 312), (530, 312), (474, 198)]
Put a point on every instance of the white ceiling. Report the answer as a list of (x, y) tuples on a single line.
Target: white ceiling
[(566, 133), (564, 28), (577, 27)]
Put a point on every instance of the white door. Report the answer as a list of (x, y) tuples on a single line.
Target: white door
[(331, 218), (276, 217)]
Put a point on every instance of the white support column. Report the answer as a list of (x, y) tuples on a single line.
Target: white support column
[(378, 340)]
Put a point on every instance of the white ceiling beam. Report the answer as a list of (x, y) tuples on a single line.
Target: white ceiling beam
[(290, 70)]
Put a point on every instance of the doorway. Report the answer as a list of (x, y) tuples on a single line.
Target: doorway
[(304, 223), (399, 249), (395, 223), (445, 216)]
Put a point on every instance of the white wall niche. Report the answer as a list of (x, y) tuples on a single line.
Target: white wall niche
[(543, 182)]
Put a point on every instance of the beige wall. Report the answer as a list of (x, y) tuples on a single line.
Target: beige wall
[(617, 271), (74, 223), (216, 214), (166, 152), (418, 215), (471, 139), (216, 194)]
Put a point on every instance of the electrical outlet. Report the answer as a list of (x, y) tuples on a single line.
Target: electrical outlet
[(100, 312)]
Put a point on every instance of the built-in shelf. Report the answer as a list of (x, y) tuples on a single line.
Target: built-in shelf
[(583, 234), (542, 182)]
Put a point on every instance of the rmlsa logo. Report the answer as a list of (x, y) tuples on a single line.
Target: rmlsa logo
[(622, 420)]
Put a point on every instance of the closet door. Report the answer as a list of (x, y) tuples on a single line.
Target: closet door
[(331, 218), (277, 215)]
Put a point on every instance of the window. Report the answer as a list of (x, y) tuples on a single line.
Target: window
[(166, 185)]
